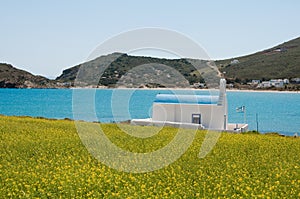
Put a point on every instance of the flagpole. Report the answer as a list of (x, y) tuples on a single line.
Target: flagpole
[(256, 122), (244, 109)]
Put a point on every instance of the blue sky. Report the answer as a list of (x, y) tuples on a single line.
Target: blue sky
[(45, 37)]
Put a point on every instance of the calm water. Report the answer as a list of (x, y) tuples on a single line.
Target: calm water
[(277, 112)]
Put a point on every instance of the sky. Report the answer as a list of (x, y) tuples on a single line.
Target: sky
[(45, 37)]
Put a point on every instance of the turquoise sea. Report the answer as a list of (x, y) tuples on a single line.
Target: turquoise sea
[(277, 112)]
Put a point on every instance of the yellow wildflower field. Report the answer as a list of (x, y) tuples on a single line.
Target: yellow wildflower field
[(42, 158)]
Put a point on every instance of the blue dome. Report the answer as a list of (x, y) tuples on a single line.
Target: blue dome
[(186, 99)]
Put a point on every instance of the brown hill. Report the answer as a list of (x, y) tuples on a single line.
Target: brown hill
[(11, 77)]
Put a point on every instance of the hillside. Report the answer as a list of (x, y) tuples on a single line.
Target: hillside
[(279, 62), (11, 77), (136, 71), (282, 61)]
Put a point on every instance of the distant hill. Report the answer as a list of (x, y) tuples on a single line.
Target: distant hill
[(282, 61), (11, 77), (279, 62), (137, 71), (122, 70)]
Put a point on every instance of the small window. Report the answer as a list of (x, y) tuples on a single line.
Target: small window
[(196, 118)]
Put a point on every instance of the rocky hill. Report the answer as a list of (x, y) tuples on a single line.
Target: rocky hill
[(11, 77), (279, 62), (122, 70)]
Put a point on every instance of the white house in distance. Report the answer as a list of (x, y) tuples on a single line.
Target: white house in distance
[(278, 83), (192, 111)]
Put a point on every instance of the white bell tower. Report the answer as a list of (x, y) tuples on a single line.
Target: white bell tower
[(223, 101)]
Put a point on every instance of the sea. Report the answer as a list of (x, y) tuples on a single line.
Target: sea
[(264, 111)]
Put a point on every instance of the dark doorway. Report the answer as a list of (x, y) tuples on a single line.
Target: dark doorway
[(196, 118)]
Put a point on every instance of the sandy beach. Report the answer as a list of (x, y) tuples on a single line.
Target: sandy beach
[(261, 91), (193, 89)]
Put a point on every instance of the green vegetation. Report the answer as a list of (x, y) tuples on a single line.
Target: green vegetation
[(122, 64), (279, 62), (282, 61), (42, 158)]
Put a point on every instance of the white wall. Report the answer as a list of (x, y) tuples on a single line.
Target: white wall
[(212, 116), (163, 112)]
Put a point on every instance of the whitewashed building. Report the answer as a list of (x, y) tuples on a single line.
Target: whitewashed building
[(191, 111), (278, 83), (265, 84)]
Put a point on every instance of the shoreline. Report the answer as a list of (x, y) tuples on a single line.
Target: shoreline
[(261, 91), (195, 89), (177, 88)]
